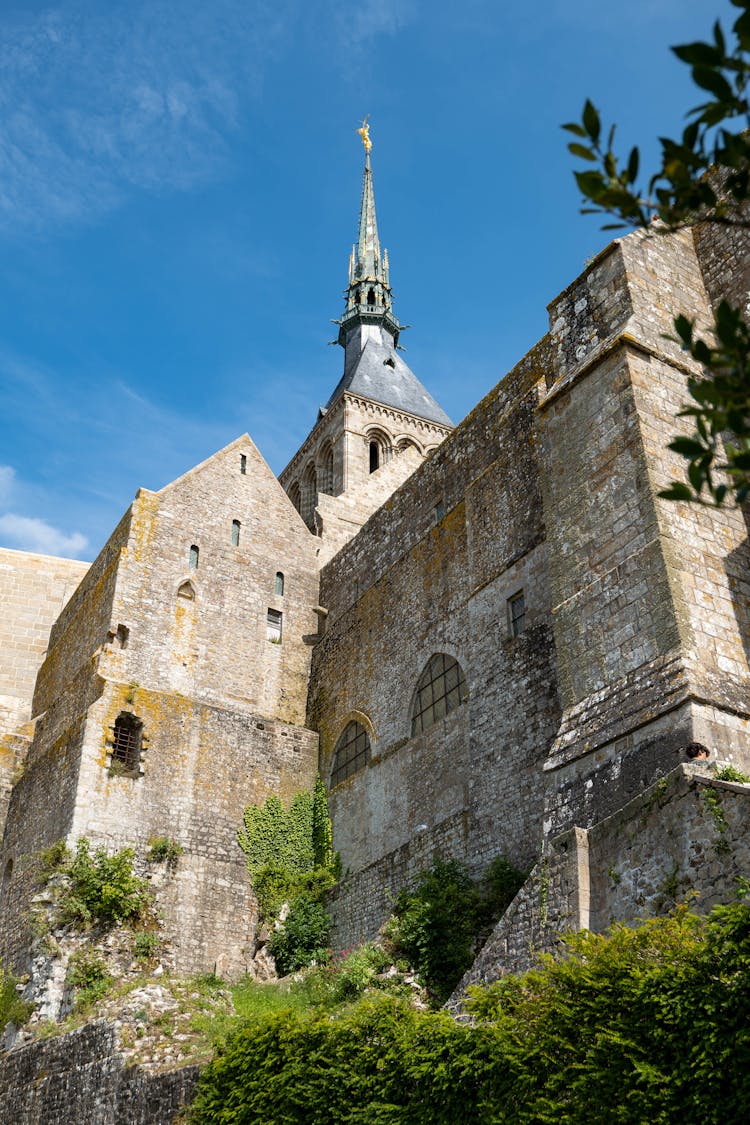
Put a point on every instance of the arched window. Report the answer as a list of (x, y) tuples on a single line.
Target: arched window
[(440, 689), (352, 752), (295, 495), (309, 494), (380, 449), (371, 296), (126, 743), (374, 456), (325, 479), (235, 533), (279, 584), (194, 552)]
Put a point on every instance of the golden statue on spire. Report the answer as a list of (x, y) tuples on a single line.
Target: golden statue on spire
[(364, 133)]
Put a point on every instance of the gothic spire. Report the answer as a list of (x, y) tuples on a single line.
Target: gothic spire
[(368, 296)]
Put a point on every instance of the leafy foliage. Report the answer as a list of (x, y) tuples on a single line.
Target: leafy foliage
[(103, 887), (303, 938), (12, 1008), (704, 177), (645, 1024), (89, 976), (163, 849), (291, 860), (438, 927), (731, 773)]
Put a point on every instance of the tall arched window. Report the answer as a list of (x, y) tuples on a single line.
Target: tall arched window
[(235, 533), (440, 689), (374, 456), (279, 584), (309, 494), (126, 743), (295, 496), (352, 752), (194, 552), (325, 479), (380, 448)]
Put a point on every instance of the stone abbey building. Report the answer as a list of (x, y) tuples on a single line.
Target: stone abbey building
[(490, 639)]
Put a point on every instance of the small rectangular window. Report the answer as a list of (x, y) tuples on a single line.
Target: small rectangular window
[(273, 626), (517, 614), (243, 464)]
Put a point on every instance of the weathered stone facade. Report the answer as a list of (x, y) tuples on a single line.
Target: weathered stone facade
[(595, 628)]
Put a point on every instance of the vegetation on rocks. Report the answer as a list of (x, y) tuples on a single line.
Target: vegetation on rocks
[(643, 1024)]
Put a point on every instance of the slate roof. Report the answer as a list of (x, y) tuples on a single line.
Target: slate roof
[(392, 383)]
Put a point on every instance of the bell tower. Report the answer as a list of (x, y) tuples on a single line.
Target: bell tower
[(380, 422)]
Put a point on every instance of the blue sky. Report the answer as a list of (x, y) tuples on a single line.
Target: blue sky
[(179, 188)]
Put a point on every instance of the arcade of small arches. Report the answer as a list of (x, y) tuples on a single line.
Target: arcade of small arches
[(318, 474), (440, 689)]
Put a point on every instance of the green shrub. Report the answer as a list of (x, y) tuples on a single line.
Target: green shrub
[(731, 773), (435, 927), (647, 1024), (503, 880), (12, 1008), (88, 975), (145, 944), (162, 849), (303, 938), (103, 888)]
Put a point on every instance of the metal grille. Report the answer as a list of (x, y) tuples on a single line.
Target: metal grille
[(352, 752), (441, 689), (126, 745)]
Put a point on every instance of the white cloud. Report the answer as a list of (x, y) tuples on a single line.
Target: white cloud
[(29, 534), (96, 101)]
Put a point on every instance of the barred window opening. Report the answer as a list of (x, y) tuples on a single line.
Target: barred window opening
[(352, 752), (126, 743), (440, 689)]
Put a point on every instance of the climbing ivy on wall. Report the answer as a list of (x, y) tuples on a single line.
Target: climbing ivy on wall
[(291, 861)]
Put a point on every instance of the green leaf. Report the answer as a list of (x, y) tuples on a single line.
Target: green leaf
[(633, 163), (582, 151), (676, 491), (573, 127), (591, 121), (698, 54), (714, 82), (687, 447)]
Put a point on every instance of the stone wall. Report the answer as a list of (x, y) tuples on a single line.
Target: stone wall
[(81, 1076), (686, 838), (184, 649), (33, 591), (649, 598), (432, 571)]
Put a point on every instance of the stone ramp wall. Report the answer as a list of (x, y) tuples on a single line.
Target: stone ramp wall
[(81, 1077), (685, 838)]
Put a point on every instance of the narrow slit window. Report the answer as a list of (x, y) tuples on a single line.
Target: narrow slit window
[(374, 456), (235, 533), (273, 626), (127, 739), (517, 614), (194, 553), (243, 464), (279, 584)]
